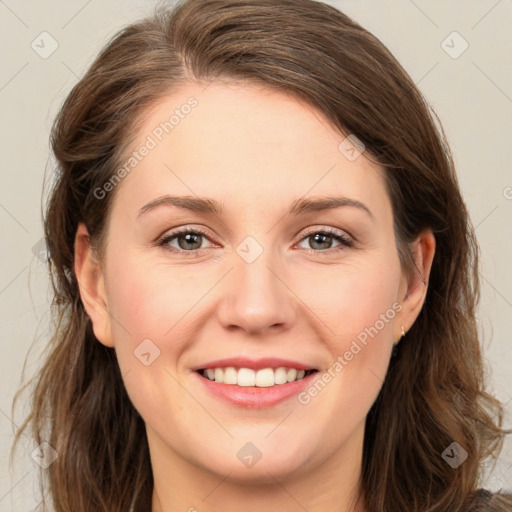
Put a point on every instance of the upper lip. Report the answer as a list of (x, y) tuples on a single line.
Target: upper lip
[(255, 364)]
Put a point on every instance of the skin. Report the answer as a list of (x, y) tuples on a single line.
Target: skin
[(255, 151)]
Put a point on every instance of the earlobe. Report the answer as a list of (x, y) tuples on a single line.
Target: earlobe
[(92, 286), (423, 250)]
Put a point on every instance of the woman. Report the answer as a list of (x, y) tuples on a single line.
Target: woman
[(265, 277)]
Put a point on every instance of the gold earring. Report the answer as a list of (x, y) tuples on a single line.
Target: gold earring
[(402, 332)]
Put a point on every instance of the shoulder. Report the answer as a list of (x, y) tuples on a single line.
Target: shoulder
[(486, 501)]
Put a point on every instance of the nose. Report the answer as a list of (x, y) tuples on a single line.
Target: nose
[(256, 298)]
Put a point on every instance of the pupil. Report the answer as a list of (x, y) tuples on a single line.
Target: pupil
[(189, 239), (323, 237)]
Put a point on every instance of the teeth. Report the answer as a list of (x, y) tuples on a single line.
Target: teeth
[(291, 374), (263, 378), (230, 376), (280, 376), (246, 377)]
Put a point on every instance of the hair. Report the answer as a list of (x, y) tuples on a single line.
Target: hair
[(434, 391)]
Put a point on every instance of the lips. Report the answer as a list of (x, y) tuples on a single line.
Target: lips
[(254, 364), (254, 383)]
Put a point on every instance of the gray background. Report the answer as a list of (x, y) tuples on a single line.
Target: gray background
[(471, 92)]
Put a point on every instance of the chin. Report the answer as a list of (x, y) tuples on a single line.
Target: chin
[(266, 471)]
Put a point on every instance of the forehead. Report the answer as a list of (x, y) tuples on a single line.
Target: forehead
[(244, 142)]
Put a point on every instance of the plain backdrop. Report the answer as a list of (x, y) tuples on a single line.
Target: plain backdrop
[(458, 52)]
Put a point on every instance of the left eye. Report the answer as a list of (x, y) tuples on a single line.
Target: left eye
[(326, 237), (190, 240)]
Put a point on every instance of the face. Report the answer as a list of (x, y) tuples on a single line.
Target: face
[(270, 275)]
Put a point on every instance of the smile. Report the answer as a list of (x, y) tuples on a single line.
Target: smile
[(247, 377)]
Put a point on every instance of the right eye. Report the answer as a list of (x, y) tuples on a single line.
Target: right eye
[(188, 240)]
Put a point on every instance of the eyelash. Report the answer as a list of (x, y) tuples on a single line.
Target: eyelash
[(345, 241)]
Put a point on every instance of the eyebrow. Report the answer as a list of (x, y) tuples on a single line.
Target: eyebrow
[(298, 207)]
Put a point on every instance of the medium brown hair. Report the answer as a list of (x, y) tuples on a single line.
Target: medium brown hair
[(433, 393)]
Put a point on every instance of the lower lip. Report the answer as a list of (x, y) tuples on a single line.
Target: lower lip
[(255, 397)]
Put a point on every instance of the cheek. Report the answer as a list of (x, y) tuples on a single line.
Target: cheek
[(367, 309), (151, 300), (356, 300), (148, 311), (360, 308)]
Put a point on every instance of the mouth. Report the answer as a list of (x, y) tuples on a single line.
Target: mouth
[(254, 388), (248, 377)]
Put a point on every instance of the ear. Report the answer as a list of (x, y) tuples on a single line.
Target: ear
[(413, 290), (92, 286)]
